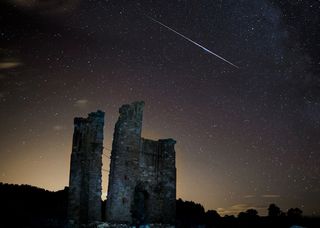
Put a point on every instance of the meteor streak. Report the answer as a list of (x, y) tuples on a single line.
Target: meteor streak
[(199, 45)]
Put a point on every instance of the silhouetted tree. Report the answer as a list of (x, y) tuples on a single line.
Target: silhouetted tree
[(294, 213), (282, 214), (189, 213), (248, 219), (252, 213), (28, 206), (212, 217), (213, 214), (229, 219), (242, 215), (273, 210), (249, 214)]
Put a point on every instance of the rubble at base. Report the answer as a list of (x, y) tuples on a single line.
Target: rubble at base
[(109, 225)]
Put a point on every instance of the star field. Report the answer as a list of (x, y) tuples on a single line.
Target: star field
[(246, 137)]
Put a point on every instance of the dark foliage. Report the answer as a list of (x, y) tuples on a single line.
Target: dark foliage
[(193, 215), (294, 213), (189, 213), (26, 206), (274, 211)]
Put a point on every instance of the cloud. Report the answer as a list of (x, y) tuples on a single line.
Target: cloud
[(270, 196), (237, 208), (234, 209), (58, 128), (9, 64), (262, 196), (81, 103), (249, 196)]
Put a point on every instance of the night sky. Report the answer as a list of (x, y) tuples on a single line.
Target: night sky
[(246, 137)]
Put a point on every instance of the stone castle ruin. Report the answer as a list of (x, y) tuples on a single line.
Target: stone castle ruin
[(85, 169), (142, 176)]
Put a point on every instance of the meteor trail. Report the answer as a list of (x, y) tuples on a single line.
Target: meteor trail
[(200, 46)]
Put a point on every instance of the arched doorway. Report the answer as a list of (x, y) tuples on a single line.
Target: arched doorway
[(140, 205)]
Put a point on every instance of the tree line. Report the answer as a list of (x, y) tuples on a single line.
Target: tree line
[(28, 206), (192, 215)]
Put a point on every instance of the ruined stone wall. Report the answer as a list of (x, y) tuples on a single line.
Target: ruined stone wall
[(168, 180), (84, 203), (158, 175), (124, 162), (142, 178)]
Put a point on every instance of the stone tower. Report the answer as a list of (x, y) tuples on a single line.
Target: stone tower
[(142, 178), (84, 204)]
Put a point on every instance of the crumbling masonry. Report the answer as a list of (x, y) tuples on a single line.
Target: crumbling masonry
[(84, 204), (142, 176)]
